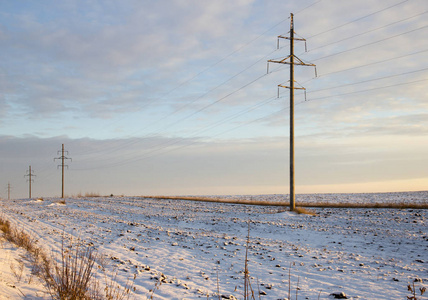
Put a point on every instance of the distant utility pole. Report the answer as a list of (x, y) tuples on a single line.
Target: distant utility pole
[(62, 158), (29, 174), (290, 60), (8, 191)]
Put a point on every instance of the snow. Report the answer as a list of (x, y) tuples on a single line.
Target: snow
[(364, 253), (16, 280)]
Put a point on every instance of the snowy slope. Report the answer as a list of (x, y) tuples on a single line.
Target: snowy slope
[(365, 253)]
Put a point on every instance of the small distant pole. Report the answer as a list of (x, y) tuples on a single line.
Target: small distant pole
[(62, 158), (8, 191), (29, 174)]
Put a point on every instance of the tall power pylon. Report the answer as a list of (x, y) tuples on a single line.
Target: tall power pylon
[(62, 158), (29, 174), (291, 60)]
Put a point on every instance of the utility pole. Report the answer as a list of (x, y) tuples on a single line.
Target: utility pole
[(8, 191), (29, 174), (293, 60), (62, 158)]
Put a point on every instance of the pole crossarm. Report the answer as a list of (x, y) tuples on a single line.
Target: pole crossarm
[(289, 38), (292, 61), (288, 87)]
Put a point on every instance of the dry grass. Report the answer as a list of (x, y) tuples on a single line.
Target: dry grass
[(114, 291), (219, 200), (5, 226), (414, 292), (304, 211), (92, 195), (71, 275), (18, 237), (17, 271), (87, 195), (402, 205)]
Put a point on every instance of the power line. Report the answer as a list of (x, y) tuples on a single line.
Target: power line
[(374, 63), (358, 19), (213, 65), (176, 122), (216, 87), (216, 63), (362, 66), (130, 142), (309, 6), (368, 44), (367, 90), (198, 98), (157, 152), (195, 112), (369, 31), (178, 140), (368, 80), (173, 142)]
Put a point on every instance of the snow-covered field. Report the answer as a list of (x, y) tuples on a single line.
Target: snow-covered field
[(364, 253)]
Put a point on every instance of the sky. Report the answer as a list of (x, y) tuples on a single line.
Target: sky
[(178, 98)]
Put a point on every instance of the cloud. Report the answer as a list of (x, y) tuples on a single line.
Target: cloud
[(169, 166), (110, 51), (140, 81)]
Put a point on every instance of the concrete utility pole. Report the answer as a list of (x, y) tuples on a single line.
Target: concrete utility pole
[(29, 174), (8, 191), (291, 62), (62, 158)]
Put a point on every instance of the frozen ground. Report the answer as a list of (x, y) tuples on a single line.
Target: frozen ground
[(365, 253)]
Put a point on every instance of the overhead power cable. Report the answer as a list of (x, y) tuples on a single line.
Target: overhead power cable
[(368, 31), (309, 6), (365, 81), (132, 142), (157, 152), (358, 19), (218, 86), (367, 90), (223, 59), (213, 103), (372, 43), (135, 141), (373, 63), (172, 142), (359, 66)]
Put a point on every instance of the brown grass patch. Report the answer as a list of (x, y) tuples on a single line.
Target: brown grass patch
[(304, 211), (401, 205), (70, 276)]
